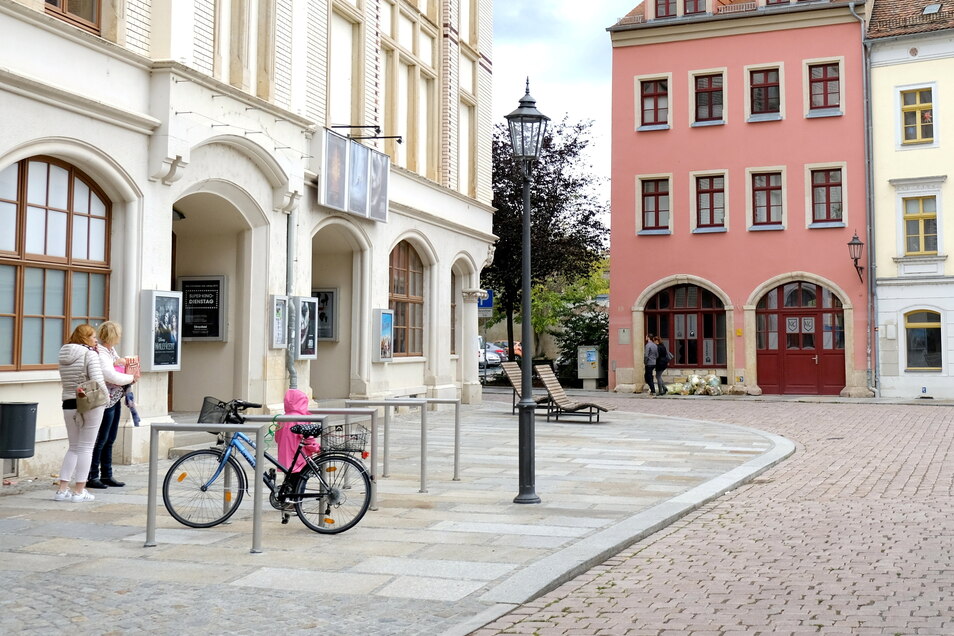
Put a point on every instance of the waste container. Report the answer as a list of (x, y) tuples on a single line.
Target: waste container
[(17, 429)]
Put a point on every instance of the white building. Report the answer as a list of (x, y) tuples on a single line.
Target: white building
[(912, 69), (149, 141)]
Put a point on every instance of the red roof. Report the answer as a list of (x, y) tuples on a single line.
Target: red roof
[(904, 17)]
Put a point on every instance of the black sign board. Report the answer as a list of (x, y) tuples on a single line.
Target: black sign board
[(203, 307)]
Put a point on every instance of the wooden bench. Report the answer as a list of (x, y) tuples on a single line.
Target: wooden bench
[(561, 404), (515, 375)]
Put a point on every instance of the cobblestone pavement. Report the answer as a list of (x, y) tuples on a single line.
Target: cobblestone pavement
[(853, 534)]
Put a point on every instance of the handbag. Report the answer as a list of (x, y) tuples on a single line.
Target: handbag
[(132, 366), (89, 395)]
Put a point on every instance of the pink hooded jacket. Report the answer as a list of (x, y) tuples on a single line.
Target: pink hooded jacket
[(296, 403)]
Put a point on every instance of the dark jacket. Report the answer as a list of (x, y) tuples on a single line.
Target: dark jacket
[(663, 357)]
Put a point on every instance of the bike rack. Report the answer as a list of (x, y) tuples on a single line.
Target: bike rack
[(422, 403), (260, 428)]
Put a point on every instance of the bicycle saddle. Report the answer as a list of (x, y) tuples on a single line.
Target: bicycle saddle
[(307, 430)]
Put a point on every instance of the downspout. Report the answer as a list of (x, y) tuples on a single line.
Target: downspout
[(873, 380), (291, 257)]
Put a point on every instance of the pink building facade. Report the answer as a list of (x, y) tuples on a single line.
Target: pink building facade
[(738, 179)]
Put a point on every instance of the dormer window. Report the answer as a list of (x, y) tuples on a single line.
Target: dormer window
[(665, 8)]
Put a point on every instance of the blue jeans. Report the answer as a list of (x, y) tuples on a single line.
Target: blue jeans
[(102, 464)]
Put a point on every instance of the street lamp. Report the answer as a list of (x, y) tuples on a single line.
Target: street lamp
[(854, 253), (527, 125)]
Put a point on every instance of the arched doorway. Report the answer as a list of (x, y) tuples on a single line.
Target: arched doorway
[(800, 340), (691, 321)]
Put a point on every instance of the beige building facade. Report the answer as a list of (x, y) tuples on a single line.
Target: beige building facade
[(336, 151)]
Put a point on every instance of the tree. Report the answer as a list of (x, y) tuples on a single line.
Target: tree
[(587, 326), (567, 235)]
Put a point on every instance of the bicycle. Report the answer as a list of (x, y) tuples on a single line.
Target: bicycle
[(205, 487)]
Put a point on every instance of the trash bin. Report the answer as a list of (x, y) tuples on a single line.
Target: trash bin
[(17, 429)]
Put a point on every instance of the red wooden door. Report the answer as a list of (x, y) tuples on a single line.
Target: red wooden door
[(801, 347)]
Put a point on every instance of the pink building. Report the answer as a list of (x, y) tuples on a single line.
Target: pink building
[(738, 179)]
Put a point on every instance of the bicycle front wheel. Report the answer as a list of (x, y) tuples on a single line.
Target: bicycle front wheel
[(336, 497), (190, 497)]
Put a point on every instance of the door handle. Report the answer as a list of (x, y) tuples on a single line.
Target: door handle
[(815, 358)]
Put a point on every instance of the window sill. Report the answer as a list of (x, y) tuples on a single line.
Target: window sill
[(760, 117), (407, 359), (660, 232), (824, 112), (819, 225), (709, 230), (653, 127), (766, 228), (930, 370), (714, 122)]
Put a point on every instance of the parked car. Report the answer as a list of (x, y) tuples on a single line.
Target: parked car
[(486, 354), (493, 347), (517, 349)]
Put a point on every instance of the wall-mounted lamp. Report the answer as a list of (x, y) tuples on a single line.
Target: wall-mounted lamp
[(177, 215), (855, 246)]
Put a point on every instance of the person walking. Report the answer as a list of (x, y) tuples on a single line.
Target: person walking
[(101, 466), (650, 354), (662, 362), (78, 363)]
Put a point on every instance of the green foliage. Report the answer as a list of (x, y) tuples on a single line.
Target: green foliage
[(557, 299), (588, 325)]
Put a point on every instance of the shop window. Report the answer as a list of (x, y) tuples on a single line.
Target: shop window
[(691, 322), (922, 332)]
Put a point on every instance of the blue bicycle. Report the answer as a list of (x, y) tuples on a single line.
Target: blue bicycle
[(205, 487)]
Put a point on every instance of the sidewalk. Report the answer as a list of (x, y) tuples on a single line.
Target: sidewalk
[(442, 562)]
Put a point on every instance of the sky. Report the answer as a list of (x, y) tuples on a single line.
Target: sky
[(564, 48)]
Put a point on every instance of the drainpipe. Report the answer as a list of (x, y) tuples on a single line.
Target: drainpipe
[(291, 256), (873, 380)]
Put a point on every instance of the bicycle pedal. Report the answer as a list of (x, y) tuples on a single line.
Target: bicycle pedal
[(285, 519)]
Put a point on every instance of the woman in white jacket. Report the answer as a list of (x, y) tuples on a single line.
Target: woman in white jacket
[(79, 362), (101, 467)]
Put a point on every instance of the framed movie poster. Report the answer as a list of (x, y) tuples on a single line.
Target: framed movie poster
[(358, 180), (327, 313), (204, 306), (336, 171), (307, 328), (383, 333), (378, 191), (279, 322), (160, 345)]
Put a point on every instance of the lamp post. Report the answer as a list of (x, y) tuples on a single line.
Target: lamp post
[(527, 126)]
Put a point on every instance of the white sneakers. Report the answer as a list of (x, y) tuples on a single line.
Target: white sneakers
[(75, 497), (79, 497)]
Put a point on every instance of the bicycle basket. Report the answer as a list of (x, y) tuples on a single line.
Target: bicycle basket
[(345, 439), (213, 412)]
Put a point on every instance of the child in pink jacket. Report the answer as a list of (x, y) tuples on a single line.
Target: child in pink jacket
[(296, 403)]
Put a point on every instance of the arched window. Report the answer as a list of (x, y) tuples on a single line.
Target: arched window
[(406, 298), (54, 265), (922, 331), (691, 322)]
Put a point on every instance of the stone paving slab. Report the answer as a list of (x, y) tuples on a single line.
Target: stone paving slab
[(441, 562)]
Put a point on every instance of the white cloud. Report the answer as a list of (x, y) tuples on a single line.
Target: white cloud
[(565, 50)]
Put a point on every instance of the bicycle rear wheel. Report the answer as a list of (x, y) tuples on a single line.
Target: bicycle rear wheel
[(335, 498), (186, 496)]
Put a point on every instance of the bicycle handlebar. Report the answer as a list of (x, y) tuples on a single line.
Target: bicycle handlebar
[(242, 405)]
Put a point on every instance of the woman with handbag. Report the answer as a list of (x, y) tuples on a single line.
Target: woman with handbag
[(84, 400), (101, 466)]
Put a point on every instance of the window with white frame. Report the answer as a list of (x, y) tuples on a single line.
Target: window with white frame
[(708, 202), (824, 87), (767, 198), (708, 97), (826, 195), (923, 344), (917, 115), (654, 203), (920, 225), (764, 92), (654, 102)]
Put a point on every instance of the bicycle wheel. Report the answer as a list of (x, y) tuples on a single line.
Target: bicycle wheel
[(190, 502), (340, 494)]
